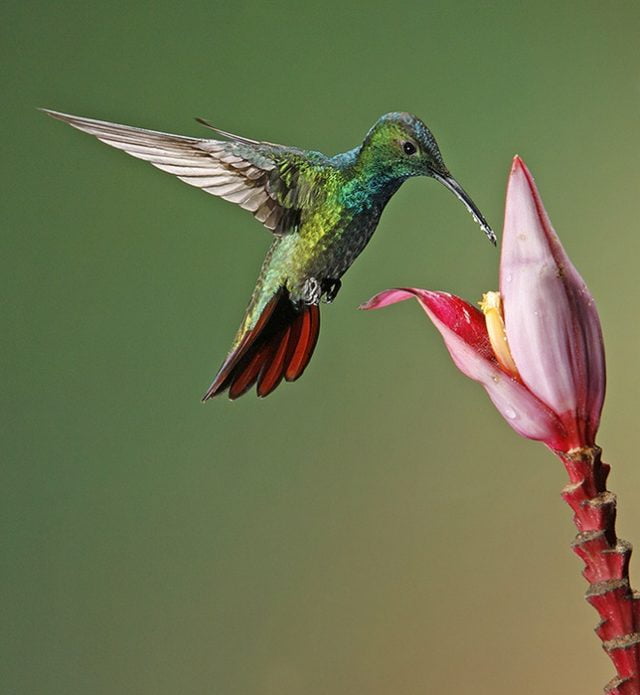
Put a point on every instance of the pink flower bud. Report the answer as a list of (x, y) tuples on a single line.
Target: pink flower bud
[(550, 316)]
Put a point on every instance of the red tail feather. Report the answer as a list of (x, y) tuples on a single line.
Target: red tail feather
[(272, 373), (279, 345), (308, 327), (248, 371)]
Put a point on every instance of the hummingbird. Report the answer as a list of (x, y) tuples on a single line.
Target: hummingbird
[(321, 211)]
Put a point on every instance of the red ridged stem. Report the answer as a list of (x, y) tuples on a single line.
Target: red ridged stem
[(606, 560)]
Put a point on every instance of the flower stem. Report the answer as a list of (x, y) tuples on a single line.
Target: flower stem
[(606, 559)]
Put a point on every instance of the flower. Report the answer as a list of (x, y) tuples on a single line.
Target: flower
[(536, 346)]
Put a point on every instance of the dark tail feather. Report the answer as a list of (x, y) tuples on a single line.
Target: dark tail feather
[(279, 346)]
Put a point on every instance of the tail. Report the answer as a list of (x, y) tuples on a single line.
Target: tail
[(279, 346)]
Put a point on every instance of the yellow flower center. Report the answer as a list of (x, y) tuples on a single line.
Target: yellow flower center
[(491, 306)]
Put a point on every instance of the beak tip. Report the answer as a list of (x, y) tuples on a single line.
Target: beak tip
[(450, 183)]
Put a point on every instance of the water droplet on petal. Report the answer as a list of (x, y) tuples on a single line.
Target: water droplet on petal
[(510, 413)]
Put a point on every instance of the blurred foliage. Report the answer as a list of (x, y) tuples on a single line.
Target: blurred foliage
[(374, 528)]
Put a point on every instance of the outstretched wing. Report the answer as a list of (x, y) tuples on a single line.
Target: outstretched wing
[(264, 178)]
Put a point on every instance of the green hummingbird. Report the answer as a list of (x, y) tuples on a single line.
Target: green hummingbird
[(321, 211)]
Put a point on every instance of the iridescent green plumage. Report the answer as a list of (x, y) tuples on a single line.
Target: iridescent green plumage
[(322, 211)]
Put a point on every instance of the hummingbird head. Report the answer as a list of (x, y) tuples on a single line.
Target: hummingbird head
[(400, 146)]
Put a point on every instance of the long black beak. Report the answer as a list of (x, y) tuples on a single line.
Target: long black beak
[(463, 196)]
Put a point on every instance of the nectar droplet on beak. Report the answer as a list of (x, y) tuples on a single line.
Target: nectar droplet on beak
[(459, 192)]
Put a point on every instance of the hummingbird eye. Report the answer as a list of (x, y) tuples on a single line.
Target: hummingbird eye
[(409, 148)]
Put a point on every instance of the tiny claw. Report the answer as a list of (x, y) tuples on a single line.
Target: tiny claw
[(330, 289)]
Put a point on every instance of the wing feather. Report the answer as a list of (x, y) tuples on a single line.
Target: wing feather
[(246, 172)]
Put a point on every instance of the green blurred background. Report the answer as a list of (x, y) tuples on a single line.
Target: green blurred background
[(375, 528)]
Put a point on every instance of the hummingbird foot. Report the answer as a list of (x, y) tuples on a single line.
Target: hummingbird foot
[(311, 292), (330, 289)]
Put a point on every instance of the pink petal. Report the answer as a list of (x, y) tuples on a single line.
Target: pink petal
[(551, 321), (463, 328), (461, 317)]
